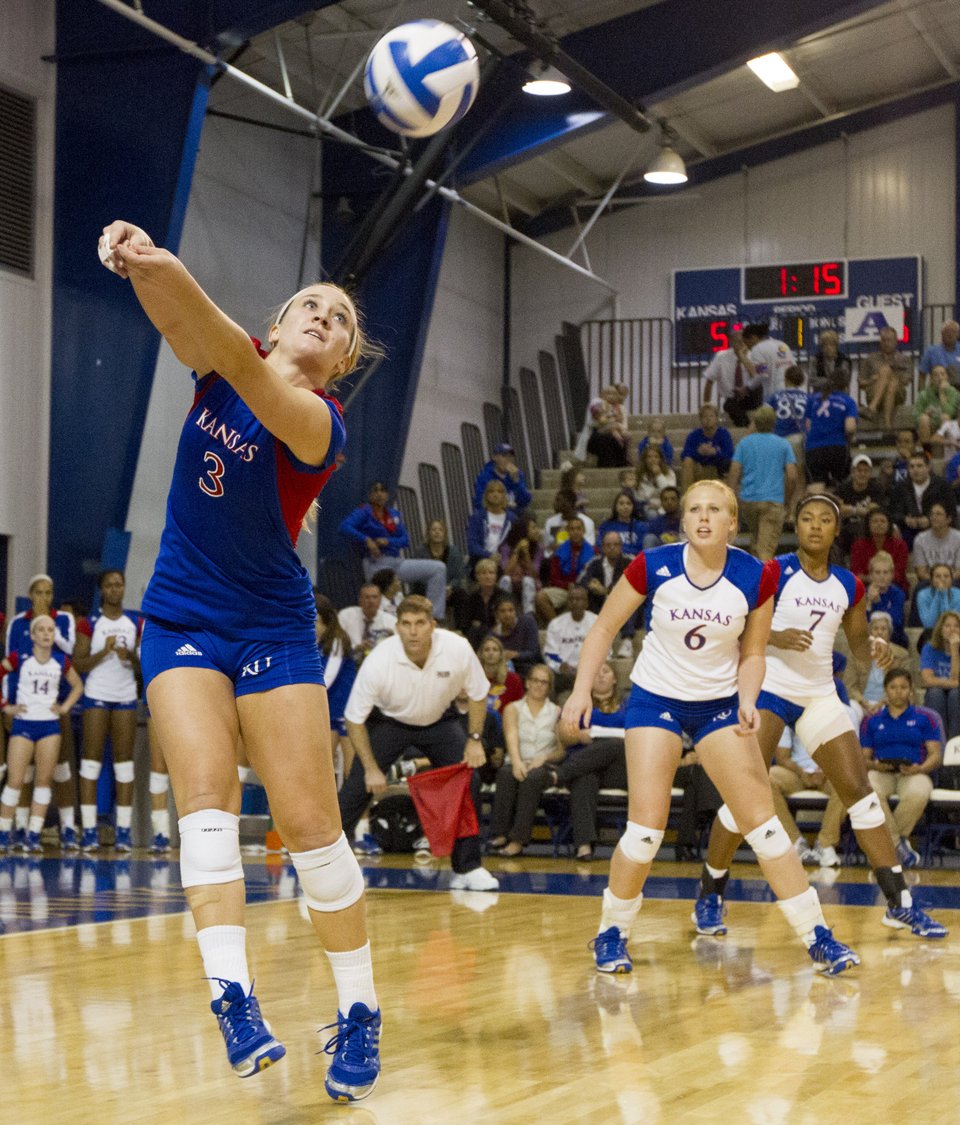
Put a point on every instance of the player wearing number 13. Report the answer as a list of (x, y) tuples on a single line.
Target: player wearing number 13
[(229, 648), (709, 607)]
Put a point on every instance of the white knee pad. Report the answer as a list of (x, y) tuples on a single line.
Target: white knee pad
[(10, 797), (209, 848), (62, 772), (822, 720), (123, 772), (29, 774), (725, 816), (90, 769), (159, 782), (769, 840), (866, 813), (640, 844), (331, 877), (42, 795)]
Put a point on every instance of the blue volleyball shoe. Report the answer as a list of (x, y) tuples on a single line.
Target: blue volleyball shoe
[(90, 840), (610, 952), (123, 840), (915, 920), (34, 847), (68, 839), (356, 1054), (707, 916), (250, 1045), (829, 955), (161, 844)]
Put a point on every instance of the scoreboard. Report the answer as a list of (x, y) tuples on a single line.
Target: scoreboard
[(854, 296)]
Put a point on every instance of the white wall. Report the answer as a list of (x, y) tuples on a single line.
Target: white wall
[(890, 191), (28, 33)]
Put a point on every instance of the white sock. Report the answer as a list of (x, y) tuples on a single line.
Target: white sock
[(88, 816), (224, 953), (67, 817), (619, 912), (6, 823), (36, 824), (22, 816), (353, 974), (160, 822), (906, 898), (124, 816), (804, 914), (716, 872)]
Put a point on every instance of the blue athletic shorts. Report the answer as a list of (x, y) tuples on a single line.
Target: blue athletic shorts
[(91, 704), (35, 729), (251, 666), (697, 718), (789, 712)]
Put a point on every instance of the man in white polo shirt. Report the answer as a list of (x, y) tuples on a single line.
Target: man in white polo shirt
[(412, 679)]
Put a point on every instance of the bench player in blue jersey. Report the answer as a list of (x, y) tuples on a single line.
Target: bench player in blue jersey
[(228, 647), (708, 613), (814, 601)]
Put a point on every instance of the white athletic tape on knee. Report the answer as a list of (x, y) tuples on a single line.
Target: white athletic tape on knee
[(822, 721), (159, 782), (725, 816), (62, 772), (209, 848), (123, 772), (331, 877), (640, 844), (10, 797), (42, 795), (90, 769), (866, 813), (769, 840)]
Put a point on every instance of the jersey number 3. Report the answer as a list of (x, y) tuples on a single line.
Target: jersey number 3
[(212, 484)]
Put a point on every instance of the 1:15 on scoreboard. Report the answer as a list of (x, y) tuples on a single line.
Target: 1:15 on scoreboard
[(793, 281)]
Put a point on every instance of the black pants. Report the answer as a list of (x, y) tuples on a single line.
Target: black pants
[(700, 803), (600, 765), (829, 463), (515, 803), (442, 742), (738, 407)]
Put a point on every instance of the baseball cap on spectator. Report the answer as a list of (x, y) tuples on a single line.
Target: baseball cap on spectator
[(503, 447), (862, 459)]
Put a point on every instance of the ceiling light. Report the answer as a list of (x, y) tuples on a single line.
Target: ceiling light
[(546, 82), (774, 71), (668, 168)]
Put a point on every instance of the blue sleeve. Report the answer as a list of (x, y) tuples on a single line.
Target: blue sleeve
[(691, 443), (928, 657), (953, 468), (851, 406), (724, 441), (668, 451), (353, 527), (476, 536), (521, 493), (737, 455), (400, 538), (867, 740)]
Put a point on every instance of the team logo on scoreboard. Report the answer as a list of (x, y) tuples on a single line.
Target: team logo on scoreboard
[(863, 324)]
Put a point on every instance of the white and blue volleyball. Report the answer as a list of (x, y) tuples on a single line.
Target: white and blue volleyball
[(421, 77)]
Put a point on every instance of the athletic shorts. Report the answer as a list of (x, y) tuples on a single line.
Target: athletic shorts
[(789, 712), (251, 666), (696, 718), (35, 729), (91, 704)]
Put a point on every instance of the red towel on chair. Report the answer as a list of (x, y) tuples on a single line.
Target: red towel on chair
[(444, 805)]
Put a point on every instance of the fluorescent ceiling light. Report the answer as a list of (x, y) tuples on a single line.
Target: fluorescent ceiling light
[(668, 168), (774, 71), (548, 83)]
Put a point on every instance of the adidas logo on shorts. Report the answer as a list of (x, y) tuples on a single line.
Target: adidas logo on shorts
[(666, 715), (663, 572), (188, 650)]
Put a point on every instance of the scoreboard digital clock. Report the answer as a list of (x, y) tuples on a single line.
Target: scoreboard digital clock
[(854, 296)]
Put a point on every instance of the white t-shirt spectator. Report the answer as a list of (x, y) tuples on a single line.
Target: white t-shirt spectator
[(565, 638), (771, 358)]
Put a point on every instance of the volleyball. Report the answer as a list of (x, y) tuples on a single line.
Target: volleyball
[(421, 77)]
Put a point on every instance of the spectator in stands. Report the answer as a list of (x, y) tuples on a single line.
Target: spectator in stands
[(518, 634), (530, 735), (628, 480), (864, 682), (656, 435), (906, 445), (946, 442), (763, 473), (794, 770), (665, 528), (770, 357), (503, 468), (790, 407), (625, 522), (488, 528), (880, 537), (505, 685), (567, 561), (940, 543), (608, 430), (884, 376), (945, 354), (708, 450), (904, 743), (831, 423), (367, 623), (911, 500), (412, 680), (391, 592), (599, 578), (829, 362), (858, 494), (521, 556), (937, 403), (937, 598), (377, 530), (565, 635), (555, 529), (940, 671), (883, 594), (653, 476), (339, 672), (437, 546), (478, 610), (575, 479), (739, 387)]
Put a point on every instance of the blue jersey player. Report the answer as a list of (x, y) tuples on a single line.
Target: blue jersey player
[(228, 648), (708, 609)]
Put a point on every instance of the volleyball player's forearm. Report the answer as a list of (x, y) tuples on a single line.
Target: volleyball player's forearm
[(596, 645), (750, 677)]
